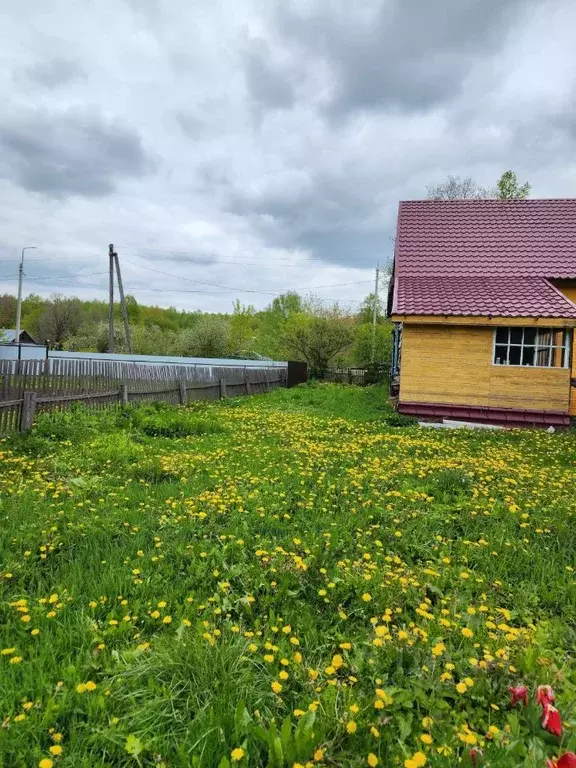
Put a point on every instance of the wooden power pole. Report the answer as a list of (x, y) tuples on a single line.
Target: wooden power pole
[(111, 299), (123, 305), (375, 315), (115, 263)]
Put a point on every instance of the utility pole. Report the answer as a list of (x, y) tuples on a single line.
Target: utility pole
[(111, 299), (123, 305), (19, 304), (375, 314)]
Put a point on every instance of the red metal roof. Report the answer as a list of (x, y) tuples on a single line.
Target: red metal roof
[(484, 257), (484, 296)]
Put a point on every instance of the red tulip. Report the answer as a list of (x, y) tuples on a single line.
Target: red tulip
[(552, 722), (545, 695), (475, 756), (518, 693), (568, 760)]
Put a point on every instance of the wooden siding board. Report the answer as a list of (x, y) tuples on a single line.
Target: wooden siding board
[(568, 288), (453, 364)]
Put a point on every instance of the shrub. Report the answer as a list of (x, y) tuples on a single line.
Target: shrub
[(163, 420), (76, 424), (399, 420)]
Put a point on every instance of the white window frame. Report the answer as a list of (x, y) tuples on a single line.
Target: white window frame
[(566, 346)]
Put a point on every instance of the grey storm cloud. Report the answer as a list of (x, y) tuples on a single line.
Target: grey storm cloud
[(60, 154), (264, 144), (268, 84), (405, 54), (54, 73), (327, 213)]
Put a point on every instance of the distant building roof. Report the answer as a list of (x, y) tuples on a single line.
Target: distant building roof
[(484, 257), (9, 335)]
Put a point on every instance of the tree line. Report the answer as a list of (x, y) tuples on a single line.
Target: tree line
[(290, 327)]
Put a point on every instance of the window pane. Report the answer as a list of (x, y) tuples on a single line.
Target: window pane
[(543, 356), (545, 337), (542, 347), (500, 355), (516, 335), (528, 356), (557, 356)]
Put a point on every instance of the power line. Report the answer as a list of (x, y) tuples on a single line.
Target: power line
[(244, 290), (63, 277), (306, 260), (54, 258), (177, 290), (215, 256)]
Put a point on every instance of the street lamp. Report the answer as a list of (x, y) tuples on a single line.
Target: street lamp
[(19, 305)]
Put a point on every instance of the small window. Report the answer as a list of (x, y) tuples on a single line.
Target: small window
[(540, 347)]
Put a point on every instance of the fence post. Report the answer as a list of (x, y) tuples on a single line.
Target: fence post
[(266, 386), (222, 387), (124, 394), (28, 411), (248, 388), (183, 393)]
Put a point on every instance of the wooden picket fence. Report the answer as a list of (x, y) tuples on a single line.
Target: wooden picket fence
[(30, 387), (373, 374)]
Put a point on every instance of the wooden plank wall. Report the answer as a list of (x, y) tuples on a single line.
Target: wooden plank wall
[(56, 376), (568, 288), (453, 364), (61, 383), (18, 414)]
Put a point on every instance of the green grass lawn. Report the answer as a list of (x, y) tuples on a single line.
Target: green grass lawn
[(283, 580)]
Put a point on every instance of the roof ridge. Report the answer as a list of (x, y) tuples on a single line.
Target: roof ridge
[(493, 200)]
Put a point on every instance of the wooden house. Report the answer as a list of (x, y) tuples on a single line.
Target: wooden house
[(8, 336), (483, 293)]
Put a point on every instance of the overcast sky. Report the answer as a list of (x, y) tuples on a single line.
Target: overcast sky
[(262, 145)]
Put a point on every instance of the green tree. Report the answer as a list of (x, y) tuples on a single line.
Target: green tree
[(272, 322), (209, 337), (7, 311), (60, 319), (510, 189), (243, 326), (366, 311), (361, 351), (133, 310), (317, 339)]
